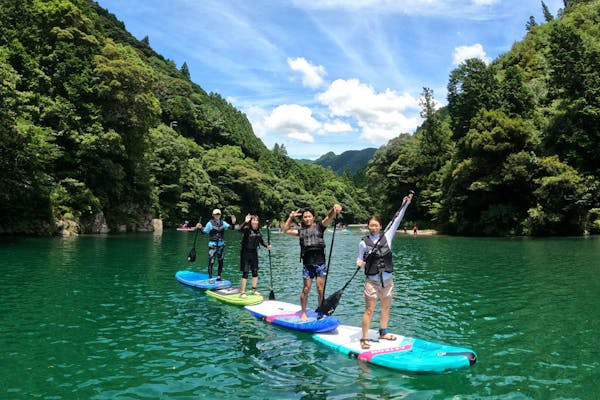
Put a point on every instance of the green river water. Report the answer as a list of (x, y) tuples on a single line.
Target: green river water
[(102, 317)]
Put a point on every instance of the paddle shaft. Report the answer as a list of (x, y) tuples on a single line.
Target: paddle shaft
[(329, 258), (192, 254), (196, 233), (271, 293)]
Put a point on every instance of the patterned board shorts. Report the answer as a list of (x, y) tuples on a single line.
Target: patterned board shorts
[(312, 271), (373, 289)]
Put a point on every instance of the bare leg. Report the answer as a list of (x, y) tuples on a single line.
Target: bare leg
[(243, 285), (320, 288), (385, 304), (366, 319), (254, 283), (304, 298)]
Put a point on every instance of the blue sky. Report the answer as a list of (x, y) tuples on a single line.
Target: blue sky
[(327, 75)]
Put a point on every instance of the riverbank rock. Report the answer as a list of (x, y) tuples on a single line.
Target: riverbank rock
[(157, 226), (98, 224), (67, 227)]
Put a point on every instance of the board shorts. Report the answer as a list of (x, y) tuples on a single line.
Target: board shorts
[(373, 289), (312, 271)]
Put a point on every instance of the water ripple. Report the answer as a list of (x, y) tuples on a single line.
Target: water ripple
[(101, 317)]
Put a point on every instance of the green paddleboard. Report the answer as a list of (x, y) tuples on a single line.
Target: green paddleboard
[(232, 296)]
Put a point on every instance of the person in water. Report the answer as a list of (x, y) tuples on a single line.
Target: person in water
[(252, 238), (215, 228), (312, 250), (375, 256)]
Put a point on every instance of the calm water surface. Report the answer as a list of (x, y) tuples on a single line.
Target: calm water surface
[(102, 317)]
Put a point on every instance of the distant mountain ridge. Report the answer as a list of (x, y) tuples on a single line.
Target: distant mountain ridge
[(352, 160)]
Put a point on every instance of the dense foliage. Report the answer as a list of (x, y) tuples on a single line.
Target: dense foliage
[(516, 150), (98, 129)]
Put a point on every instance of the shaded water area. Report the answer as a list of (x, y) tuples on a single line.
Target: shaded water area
[(102, 317)]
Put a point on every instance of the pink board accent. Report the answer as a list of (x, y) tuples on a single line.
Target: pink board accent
[(270, 318), (368, 355)]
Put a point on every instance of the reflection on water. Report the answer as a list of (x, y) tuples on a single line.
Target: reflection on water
[(102, 317)]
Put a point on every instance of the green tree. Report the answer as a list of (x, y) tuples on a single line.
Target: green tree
[(124, 86), (566, 55), (472, 86), (389, 174), (558, 208), (530, 23), (548, 17), (574, 126), (482, 189), (185, 71), (515, 98)]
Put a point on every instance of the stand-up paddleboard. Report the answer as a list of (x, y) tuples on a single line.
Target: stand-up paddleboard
[(404, 353), (232, 296), (199, 280), (287, 315)]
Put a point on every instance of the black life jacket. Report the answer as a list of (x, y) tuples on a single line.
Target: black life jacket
[(312, 245), (251, 239), (378, 259), (217, 231)]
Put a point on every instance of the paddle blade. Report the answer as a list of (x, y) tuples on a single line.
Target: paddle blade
[(329, 304), (192, 255), (271, 295)]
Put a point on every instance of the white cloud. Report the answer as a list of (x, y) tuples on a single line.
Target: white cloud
[(257, 116), (380, 116), (292, 120), (304, 137), (312, 75), (353, 111), (484, 2), (336, 126), (462, 53)]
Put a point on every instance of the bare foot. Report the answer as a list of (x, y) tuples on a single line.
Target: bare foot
[(303, 317)]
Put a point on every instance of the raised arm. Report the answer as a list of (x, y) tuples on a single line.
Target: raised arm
[(391, 230), (287, 227), (246, 222), (336, 209)]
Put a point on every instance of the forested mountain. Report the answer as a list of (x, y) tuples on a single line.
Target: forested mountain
[(88, 138), (516, 150), (351, 160)]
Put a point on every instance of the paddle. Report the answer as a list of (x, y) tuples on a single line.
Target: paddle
[(320, 308), (192, 254), (271, 293), (330, 304)]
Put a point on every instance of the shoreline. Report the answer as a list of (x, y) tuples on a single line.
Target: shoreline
[(420, 232), (409, 232)]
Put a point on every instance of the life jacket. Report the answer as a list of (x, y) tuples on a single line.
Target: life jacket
[(251, 239), (378, 259), (312, 245), (217, 231)]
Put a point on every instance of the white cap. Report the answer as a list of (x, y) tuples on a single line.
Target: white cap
[(216, 211)]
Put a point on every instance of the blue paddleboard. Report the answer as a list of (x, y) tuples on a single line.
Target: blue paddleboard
[(287, 315), (200, 280)]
